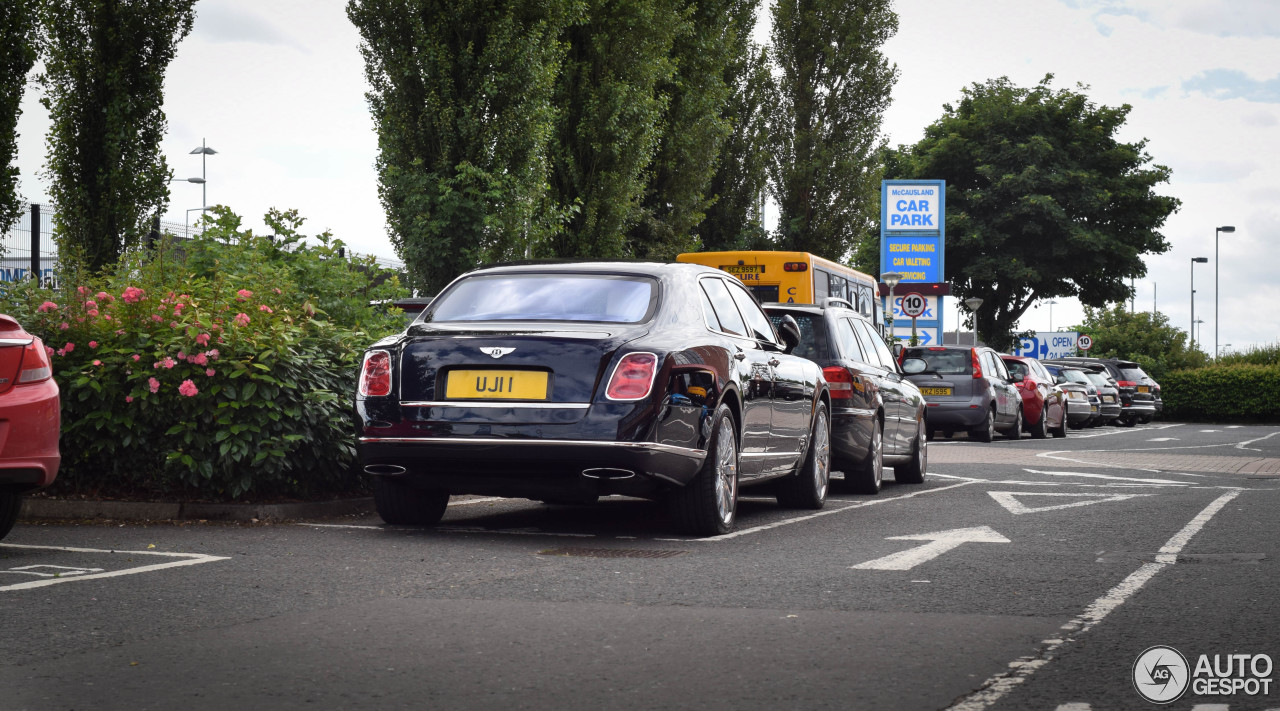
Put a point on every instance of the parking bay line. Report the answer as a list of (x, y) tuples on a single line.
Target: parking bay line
[(996, 687), (187, 559)]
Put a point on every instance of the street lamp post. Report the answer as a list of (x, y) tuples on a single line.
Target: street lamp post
[(1216, 230), (1194, 262), (1196, 325), (1051, 302), (972, 303), (891, 280), (203, 151)]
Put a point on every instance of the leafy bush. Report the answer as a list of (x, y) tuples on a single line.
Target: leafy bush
[(1256, 355), (1222, 393), (214, 368)]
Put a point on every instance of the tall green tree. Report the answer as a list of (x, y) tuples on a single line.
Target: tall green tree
[(103, 83), (1145, 337), (610, 124), (706, 55), (1043, 201), (17, 55), (735, 219), (833, 90), (462, 96)]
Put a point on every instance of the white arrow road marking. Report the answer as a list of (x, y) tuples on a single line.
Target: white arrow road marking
[(1007, 500), (1251, 441), (1105, 476), (940, 542), (1210, 430), (1163, 439)]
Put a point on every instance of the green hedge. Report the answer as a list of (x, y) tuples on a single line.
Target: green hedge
[(1223, 393)]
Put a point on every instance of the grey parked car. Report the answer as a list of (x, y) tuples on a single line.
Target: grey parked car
[(1108, 393), (966, 389), (1072, 380), (1137, 403)]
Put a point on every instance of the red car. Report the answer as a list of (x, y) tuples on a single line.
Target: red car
[(30, 419), (1044, 406)]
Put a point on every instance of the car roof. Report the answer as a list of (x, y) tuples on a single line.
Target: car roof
[(540, 266)]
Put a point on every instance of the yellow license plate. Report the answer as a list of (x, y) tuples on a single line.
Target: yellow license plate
[(935, 391), (496, 384), (1144, 389), (742, 268)]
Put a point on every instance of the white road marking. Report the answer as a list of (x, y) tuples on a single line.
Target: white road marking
[(1251, 441), (1105, 476), (825, 512), (1053, 455), (1164, 439), (995, 688), (476, 501), (187, 559), (1211, 707), (1234, 427), (1013, 506), (454, 529), (939, 542), (1210, 430), (60, 571), (1075, 706)]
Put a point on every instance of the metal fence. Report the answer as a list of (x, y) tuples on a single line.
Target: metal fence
[(27, 249)]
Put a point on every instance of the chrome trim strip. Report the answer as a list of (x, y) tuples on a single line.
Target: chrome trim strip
[(753, 455), (16, 341), (656, 446), (490, 403)]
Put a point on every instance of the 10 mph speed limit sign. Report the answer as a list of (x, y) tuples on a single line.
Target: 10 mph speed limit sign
[(914, 304), (1084, 342)]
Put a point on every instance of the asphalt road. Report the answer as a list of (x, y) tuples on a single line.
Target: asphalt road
[(1021, 575)]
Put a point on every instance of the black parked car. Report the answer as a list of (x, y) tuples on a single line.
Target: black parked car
[(877, 415), (967, 389), (565, 382), (1137, 403)]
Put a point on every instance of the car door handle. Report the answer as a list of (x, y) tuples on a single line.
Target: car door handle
[(775, 362), (739, 356)]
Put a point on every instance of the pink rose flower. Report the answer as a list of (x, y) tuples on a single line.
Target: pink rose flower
[(49, 350), (133, 295), (153, 384), (69, 347), (243, 294), (92, 312), (202, 339), (210, 372), (136, 357), (213, 354), (242, 319), (97, 362), (200, 359), (264, 307), (47, 307), (156, 317), (182, 355), (104, 296), (93, 344), (188, 388), (128, 398), (64, 325), (82, 290), (91, 304)]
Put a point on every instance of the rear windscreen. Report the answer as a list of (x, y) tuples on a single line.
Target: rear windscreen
[(1075, 376), (946, 362), (1133, 373), (813, 336), (1098, 379), (547, 297)]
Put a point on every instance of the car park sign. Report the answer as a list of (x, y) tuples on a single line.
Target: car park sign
[(1047, 345), (912, 242), (926, 335)]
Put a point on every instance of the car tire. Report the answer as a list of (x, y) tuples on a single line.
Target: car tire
[(1129, 421), (986, 432), (1015, 432), (402, 504), (913, 471), (708, 505), (1061, 430), (1040, 430), (807, 489), (10, 505), (867, 477)]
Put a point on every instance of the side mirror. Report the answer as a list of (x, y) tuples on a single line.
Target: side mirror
[(914, 366), (789, 332), (897, 349), (1059, 380)]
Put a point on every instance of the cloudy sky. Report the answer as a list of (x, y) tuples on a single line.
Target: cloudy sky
[(277, 88)]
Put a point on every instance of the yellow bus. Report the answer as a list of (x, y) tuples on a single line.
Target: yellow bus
[(797, 277)]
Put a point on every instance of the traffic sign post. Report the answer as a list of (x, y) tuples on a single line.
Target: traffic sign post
[(1084, 342), (913, 305)]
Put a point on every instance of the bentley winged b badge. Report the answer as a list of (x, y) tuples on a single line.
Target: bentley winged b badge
[(496, 352)]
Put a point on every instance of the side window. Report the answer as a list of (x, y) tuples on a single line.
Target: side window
[(759, 324), (865, 301), (848, 341), (820, 286), (709, 313), (1000, 371), (722, 304), (876, 344)]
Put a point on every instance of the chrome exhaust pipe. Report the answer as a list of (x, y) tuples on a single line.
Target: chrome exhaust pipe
[(608, 473), (384, 469)]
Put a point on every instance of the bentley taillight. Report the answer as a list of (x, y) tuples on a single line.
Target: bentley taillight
[(375, 376), (633, 378)]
